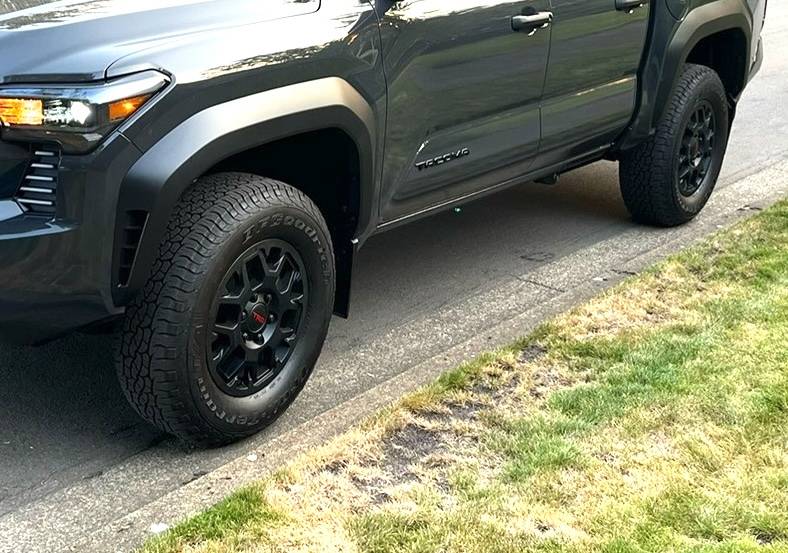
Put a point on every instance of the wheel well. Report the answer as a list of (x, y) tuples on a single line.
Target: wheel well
[(726, 53), (324, 164)]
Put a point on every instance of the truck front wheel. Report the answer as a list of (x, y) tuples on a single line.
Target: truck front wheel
[(231, 322), (667, 180)]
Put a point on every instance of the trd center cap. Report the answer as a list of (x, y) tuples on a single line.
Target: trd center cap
[(258, 318)]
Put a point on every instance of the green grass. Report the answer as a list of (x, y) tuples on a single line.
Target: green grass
[(232, 521), (657, 420), (533, 445)]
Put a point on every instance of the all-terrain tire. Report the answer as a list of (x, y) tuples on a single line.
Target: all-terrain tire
[(649, 173), (162, 358)]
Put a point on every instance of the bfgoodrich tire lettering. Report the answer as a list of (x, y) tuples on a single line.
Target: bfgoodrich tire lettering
[(163, 360), (649, 173)]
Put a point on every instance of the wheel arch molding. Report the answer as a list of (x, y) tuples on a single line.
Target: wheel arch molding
[(671, 45), (156, 182)]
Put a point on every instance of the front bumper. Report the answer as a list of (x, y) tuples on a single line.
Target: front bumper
[(56, 271)]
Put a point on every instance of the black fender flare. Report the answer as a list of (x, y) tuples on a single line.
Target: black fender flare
[(671, 43), (157, 180)]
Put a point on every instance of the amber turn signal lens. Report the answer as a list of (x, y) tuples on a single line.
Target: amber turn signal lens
[(19, 111), (122, 109)]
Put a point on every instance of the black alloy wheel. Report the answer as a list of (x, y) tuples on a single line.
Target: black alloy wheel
[(257, 317), (697, 149)]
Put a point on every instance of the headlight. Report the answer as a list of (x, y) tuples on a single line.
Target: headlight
[(78, 117)]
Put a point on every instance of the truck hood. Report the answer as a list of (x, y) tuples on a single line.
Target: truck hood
[(77, 40)]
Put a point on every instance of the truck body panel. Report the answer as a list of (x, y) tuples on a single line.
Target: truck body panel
[(442, 100)]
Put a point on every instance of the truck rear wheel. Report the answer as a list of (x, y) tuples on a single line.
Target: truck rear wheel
[(667, 180), (231, 322)]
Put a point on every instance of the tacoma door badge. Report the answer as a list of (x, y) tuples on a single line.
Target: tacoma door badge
[(441, 160)]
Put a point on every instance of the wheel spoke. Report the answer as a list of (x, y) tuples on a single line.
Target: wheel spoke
[(708, 116), (255, 370), (247, 281), (229, 299), (288, 335), (276, 269), (291, 298), (231, 330), (230, 337), (267, 269), (253, 357), (232, 371), (295, 276), (277, 360), (276, 339), (296, 301), (226, 329), (218, 357)]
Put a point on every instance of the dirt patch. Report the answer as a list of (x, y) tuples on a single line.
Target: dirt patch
[(436, 441), (496, 391), (531, 353), (546, 380), (405, 453), (468, 410), (408, 446), (457, 410)]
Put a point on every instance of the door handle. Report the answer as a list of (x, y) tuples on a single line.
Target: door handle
[(630, 5), (532, 23)]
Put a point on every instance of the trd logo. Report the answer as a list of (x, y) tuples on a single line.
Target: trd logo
[(259, 318), (445, 158)]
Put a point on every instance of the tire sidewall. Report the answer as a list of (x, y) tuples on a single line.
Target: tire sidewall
[(241, 416), (709, 89)]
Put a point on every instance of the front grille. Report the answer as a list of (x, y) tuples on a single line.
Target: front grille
[(38, 192)]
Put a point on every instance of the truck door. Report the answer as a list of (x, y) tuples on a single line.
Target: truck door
[(465, 79), (591, 85)]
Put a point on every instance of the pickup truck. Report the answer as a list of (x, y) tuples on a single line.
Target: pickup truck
[(199, 174)]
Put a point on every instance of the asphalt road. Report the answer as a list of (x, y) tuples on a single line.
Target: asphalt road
[(65, 422)]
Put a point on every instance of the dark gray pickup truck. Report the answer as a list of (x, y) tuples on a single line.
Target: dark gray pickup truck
[(203, 171)]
